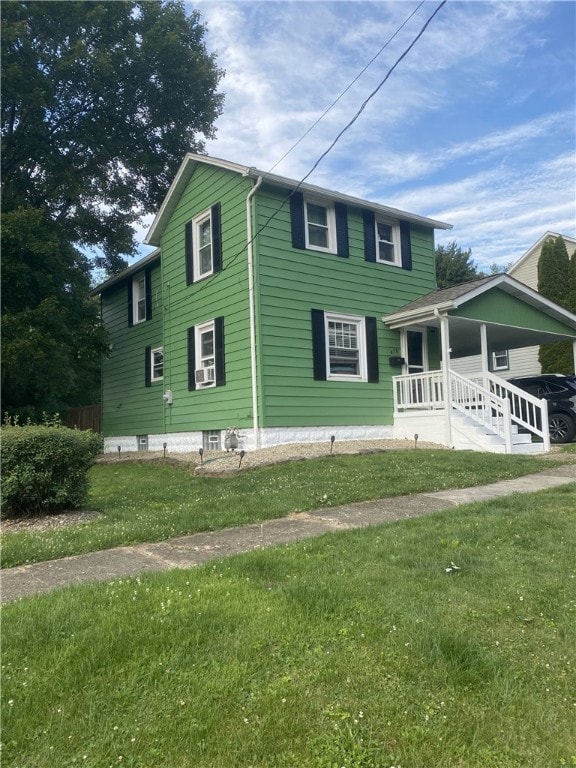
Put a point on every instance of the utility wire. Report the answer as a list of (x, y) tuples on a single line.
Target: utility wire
[(334, 142), (345, 91)]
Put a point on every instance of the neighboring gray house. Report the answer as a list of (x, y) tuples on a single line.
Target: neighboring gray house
[(509, 363)]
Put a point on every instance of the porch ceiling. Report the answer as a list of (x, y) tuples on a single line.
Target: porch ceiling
[(465, 337)]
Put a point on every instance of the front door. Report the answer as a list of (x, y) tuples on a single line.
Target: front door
[(415, 354)]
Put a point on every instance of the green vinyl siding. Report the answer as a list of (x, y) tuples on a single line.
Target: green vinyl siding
[(497, 306), (223, 294), (129, 406), (291, 283)]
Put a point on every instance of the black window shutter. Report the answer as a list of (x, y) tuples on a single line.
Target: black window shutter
[(341, 229), (318, 345), (191, 358), (148, 287), (405, 245), (369, 220), (188, 253), (219, 351), (130, 304), (148, 367), (372, 349), (216, 238), (297, 219)]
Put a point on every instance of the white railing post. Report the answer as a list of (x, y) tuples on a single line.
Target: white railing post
[(507, 424), (545, 425)]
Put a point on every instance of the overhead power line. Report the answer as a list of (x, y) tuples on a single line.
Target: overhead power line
[(338, 137)]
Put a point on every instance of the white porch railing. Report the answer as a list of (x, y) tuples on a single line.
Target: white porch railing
[(490, 402)]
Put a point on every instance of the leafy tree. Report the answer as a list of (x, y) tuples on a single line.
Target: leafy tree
[(52, 340), (557, 282), (100, 102), (454, 265)]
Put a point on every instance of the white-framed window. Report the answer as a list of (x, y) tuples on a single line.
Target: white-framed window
[(320, 226), (345, 348), (203, 245), (388, 243), (500, 360), (205, 363), (157, 364), (139, 298)]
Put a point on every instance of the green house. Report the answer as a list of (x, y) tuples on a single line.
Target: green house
[(274, 310)]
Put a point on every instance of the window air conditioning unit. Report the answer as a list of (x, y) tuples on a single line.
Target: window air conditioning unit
[(205, 375)]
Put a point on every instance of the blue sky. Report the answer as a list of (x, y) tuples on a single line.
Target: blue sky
[(476, 126)]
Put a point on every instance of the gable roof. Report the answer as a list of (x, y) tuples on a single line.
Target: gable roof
[(537, 245), (441, 301), (192, 161)]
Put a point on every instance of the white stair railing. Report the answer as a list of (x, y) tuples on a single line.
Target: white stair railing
[(490, 402)]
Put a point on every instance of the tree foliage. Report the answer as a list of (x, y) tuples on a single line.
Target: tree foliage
[(100, 102), (52, 340), (454, 265), (557, 282)]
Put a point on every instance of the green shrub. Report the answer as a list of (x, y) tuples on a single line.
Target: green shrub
[(44, 468)]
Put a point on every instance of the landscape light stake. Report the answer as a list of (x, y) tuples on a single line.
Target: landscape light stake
[(119, 449), (242, 454), (164, 446), (416, 440), (201, 451), (332, 442)]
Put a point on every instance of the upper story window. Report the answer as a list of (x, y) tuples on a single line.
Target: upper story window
[(203, 248), (320, 226), (140, 298), (388, 243)]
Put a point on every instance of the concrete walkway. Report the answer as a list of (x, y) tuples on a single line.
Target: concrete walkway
[(188, 551)]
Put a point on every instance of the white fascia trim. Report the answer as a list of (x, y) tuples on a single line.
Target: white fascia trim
[(311, 189), (415, 316), (181, 180), (191, 161)]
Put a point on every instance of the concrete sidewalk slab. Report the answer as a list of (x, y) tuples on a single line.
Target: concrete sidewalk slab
[(193, 550)]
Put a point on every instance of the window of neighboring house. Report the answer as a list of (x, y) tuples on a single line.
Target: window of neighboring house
[(320, 226), (205, 364), (139, 298), (345, 347), (157, 364), (500, 361), (388, 243)]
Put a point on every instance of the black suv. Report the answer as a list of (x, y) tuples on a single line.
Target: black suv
[(560, 392)]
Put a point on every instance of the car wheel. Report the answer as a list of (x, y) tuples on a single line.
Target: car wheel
[(562, 428)]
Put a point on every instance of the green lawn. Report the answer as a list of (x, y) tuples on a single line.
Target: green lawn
[(151, 502), (364, 649)]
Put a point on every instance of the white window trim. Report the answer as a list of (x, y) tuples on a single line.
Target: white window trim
[(331, 222), (152, 377), (500, 353), (360, 323), (397, 262), (140, 277), (197, 221), (200, 362)]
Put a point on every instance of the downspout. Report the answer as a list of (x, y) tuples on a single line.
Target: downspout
[(251, 300)]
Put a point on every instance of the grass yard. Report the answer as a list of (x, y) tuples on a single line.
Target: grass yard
[(151, 502), (363, 649)]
